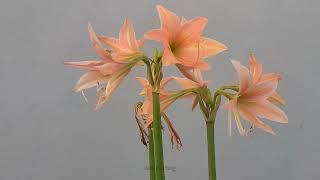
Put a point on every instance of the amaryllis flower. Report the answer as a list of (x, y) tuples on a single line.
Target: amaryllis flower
[(182, 40), (251, 102), (144, 110), (107, 72)]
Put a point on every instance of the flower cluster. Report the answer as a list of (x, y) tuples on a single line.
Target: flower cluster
[(184, 47)]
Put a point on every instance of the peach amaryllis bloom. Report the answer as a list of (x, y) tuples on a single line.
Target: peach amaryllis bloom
[(182, 40), (258, 76), (251, 102), (107, 71), (145, 109)]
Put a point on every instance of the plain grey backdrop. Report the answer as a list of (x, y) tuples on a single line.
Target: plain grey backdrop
[(49, 133)]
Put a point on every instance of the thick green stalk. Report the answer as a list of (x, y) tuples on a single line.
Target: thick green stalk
[(211, 150), (151, 155), (157, 135)]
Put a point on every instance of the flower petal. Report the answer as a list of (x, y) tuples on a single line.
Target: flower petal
[(255, 68), (112, 85), (260, 91), (169, 20), (191, 31), (186, 83), (155, 34), (89, 80), (127, 36), (265, 109), (109, 68), (168, 58), (88, 65), (244, 76), (249, 116), (277, 99), (101, 52)]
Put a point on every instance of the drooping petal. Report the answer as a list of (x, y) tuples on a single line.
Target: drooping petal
[(90, 79), (249, 116), (112, 85), (109, 68), (88, 65), (127, 35), (244, 76), (265, 109), (169, 21), (175, 138), (101, 52)]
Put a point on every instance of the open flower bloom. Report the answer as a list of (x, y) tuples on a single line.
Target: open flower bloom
[(251, 102), (107, 71), (145, 112), (182, 40)]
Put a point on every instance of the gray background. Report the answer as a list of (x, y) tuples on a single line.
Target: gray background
[(49, 133)]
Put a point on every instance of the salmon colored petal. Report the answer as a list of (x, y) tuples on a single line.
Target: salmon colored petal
[(277, 99), (89, 80), (210, 47), (270, 76), (255, 68), (202, 65), (120, 53), (260, 91), (187, 72), (142, 81), (249, 116), (109, 68), (168, 58), (88, 65), (115, 45), (265, 109), (244, 76), (169, 20), (101, 52), (190, 31), (186, 83), (127, 36), (165, 81), (112, 85), (156, 35)]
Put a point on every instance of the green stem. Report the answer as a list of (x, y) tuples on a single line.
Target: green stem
[(151, 155), (211, 150), (157, 135)]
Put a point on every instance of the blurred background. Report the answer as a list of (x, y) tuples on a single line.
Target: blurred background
[(47, 132)]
